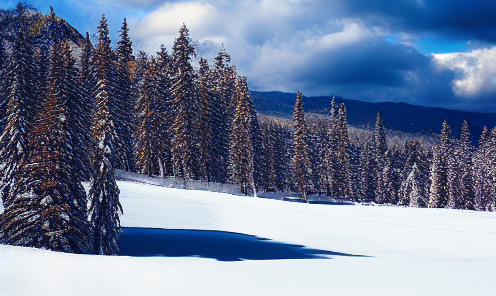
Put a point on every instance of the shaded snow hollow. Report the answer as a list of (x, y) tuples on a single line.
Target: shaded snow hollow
[(405, 251)]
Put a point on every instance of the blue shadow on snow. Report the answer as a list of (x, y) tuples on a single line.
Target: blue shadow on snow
[(219, 245)]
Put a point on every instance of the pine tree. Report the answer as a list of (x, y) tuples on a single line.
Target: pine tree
[(461, 194), (150, 135), (124, 100), (484, 172), (439, 191), (48, 209), (241, 150), (87, 83), (343, 176), (368, 173), (301, 162), (414, 157), (168, 109), (21, 99), (205, 129), (184, 94), (221, 117), (380, 148), (104, 193)]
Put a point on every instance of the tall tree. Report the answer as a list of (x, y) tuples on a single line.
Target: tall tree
[(150, 134), (241, 150), (184, 94), (104, 193), (460, 178), (484, 172), (87, 83), (48, 209), (168, 109), (21, 99), (124, 100), (223, 85), (205, 130), (415, 159), (438, 195), (301, 162)]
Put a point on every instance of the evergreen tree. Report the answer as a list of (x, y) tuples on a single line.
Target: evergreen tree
[(150, 134), (414, 157), (205, 130), (21, 99), (461, 194), (184, 94), (343, 175), (221, 117), (87, 83), (301, 162), (104, 193), (380, 148), (167, 107), (439, 191), (241, 150), (413, 191), (124, 100), (484, 173), (368, 173), (48, 209)]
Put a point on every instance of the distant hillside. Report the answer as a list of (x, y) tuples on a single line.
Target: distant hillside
[(398, 116)]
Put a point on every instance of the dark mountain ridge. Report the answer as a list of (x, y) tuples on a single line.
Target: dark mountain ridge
[(398, 116)]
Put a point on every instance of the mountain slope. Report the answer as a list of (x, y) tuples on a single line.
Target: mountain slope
[(397, 116)]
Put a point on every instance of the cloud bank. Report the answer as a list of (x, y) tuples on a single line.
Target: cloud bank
[(366, 50)]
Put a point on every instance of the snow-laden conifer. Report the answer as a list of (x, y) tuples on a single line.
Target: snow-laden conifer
[(184, 94), (47, 208), (301, 162), (104, 194), (439, 190), (241, 147)]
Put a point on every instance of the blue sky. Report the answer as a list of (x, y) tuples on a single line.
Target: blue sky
[(424, 52)]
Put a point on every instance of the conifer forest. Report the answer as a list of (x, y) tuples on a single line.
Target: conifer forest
[(74, 110)]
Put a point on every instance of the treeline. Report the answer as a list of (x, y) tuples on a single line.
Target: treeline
[(371, 167)]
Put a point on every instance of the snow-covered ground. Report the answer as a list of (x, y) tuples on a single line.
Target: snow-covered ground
[(408, 251)]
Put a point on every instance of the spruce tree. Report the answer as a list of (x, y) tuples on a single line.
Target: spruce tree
[(484, 172), (301, 162), (414, 157), (48, 209), (124, 100), (150, 134), (460, 176), (439, 191), (241, 149), (221, 117), (168, 109), (343, 175), (205, 126), (184, 94), (87, 83), (21, 98), (104, 193)]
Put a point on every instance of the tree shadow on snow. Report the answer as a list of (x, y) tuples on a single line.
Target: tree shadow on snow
[(219, 245)]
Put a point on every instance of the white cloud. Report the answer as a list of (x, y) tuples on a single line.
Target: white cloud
[(168, 18), (476, 70)]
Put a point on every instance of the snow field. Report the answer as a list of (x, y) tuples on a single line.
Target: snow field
[(411, 251)]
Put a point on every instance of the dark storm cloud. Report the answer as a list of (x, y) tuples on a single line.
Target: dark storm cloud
[(456, 18)]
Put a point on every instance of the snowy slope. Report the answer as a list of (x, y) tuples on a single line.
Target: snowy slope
[(409, 251)]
